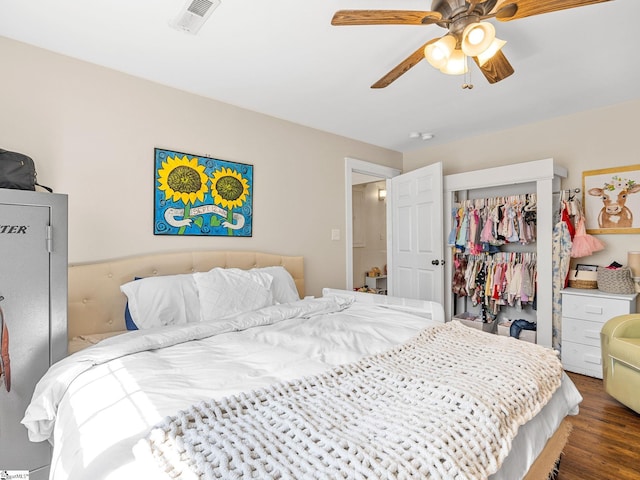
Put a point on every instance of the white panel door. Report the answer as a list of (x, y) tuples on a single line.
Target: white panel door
[(415, 234)]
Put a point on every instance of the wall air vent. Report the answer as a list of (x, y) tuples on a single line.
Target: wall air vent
[(193, 15)]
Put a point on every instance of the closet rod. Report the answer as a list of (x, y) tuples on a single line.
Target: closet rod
[(575, 190)]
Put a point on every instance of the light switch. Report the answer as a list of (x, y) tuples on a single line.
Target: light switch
[(335, 234)]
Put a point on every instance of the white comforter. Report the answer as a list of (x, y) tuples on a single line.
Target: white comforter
[(96, 406)]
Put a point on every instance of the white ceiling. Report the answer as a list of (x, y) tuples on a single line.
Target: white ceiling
[(285, 59)]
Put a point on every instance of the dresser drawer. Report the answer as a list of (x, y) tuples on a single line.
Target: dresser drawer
[(583, 359), (581, 331), (593, 308)]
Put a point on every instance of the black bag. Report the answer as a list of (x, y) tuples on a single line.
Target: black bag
[(18, 171)]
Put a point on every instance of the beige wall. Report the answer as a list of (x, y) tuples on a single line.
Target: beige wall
[(92, 132), (591, 140)]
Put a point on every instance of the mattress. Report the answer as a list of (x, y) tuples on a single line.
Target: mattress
[(97, 406)]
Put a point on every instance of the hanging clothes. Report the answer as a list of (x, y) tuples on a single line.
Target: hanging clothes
[(584, 244), (487, 276), (561, 261), (463, 231), (480, 225), (567, 220), (486, 235), (453, 234), (495, 280), (459, 284)]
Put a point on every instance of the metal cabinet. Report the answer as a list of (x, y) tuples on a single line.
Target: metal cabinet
[(33, 287)]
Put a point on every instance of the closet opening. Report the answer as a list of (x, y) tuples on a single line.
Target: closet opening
[(542, 178), (494, 236)]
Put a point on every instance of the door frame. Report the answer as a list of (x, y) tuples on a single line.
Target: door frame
[(351, 166)]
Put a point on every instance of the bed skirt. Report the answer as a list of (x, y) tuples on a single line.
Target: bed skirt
[(546, 465)]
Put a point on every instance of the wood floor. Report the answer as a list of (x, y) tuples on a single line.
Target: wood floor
[(605, 442)]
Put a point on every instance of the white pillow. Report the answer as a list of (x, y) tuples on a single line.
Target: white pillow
[(163, 300), (225, 292), (283, 287)]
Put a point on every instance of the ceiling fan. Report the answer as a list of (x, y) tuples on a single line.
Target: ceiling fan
[(468, 35)]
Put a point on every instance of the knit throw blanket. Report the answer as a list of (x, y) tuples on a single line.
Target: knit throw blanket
[(445, 405)]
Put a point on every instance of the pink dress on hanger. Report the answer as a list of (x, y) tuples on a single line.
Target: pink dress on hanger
[(584, 244)]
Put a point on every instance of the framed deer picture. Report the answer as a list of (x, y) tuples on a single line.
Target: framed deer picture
[(612, 199)]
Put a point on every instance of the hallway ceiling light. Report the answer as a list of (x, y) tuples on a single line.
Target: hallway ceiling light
[(422, 135)]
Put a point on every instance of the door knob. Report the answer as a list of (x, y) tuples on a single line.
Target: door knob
[(435, 262)]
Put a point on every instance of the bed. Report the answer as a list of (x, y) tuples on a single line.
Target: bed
[(267, 383)]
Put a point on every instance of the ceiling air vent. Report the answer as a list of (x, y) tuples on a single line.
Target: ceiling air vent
[(193, 15)]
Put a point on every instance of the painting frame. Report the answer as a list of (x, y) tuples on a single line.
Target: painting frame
[(611, 200), (197, 195)]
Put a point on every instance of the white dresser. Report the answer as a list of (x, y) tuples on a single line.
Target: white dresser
[(379, 283), (583, 314)]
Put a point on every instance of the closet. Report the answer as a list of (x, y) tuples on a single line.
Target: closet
[(33, 300), (534, 185)]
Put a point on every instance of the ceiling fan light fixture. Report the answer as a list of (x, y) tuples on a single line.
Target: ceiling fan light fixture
[(456, 64), (477, 37), (438, 53), (494, 48)]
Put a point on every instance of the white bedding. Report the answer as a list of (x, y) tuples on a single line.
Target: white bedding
[(97, 405)]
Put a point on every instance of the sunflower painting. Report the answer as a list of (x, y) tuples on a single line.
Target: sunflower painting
[(202, 196)]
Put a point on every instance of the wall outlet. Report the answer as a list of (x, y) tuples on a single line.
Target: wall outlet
[(335, 234)]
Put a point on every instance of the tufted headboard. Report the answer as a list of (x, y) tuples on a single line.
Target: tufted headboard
[(96, 304)]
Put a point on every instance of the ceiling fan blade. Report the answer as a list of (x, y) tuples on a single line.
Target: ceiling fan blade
[(409, 62), (385, 17), (505, 11), (495, 69)]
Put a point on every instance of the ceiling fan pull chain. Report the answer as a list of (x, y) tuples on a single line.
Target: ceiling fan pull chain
[(467, 85)]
